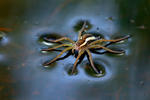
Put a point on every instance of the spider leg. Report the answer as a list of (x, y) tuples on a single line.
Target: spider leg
[(91, 61), (67, 55), (75, 64), (81, 59), (97, 52), (61, 39), (82, 30), (107, 49), (49, 49), (48, 40), (116, 40), (69, 48)]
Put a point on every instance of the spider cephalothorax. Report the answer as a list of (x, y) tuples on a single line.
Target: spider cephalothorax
[(84, 41), (82, 46)]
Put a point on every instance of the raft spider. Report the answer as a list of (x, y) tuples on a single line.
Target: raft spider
[(81, 47)]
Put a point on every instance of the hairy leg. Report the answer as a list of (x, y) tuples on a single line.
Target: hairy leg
[(116, 40), (61, 39), (75, 64), (67, 55), (98, 52), (107, 49), (81, 59), (82, 30), (91, 60), (49, 49), (69, 48)]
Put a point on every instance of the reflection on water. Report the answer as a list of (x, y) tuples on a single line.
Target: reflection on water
[(44, 38), (68, 69), (100, 68), (22, 76), (80, 23)]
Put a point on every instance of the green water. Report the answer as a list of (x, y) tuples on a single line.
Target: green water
[(124, 77)]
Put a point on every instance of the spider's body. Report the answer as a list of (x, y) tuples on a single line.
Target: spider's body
[(84, 41), (82, 46)]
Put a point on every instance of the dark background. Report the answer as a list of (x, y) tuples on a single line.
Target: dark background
[(22, 76)]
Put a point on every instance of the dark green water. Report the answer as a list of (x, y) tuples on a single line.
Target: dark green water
[(22, 76)]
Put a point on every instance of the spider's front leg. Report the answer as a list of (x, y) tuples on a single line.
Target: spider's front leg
[(69, 48), (61, 39), (82, 30), (107, 49), (91, 61)]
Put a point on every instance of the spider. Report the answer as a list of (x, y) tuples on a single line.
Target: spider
[(85, 44)]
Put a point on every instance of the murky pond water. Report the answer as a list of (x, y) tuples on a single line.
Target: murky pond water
[(27, 22)]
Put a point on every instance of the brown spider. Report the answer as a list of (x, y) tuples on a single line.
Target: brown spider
[(82, 46)]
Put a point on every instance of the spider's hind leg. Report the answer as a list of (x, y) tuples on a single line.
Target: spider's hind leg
[(76, 62), (55, 59), (98, 52), (67, 55), (81, 58), (89, 56)]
